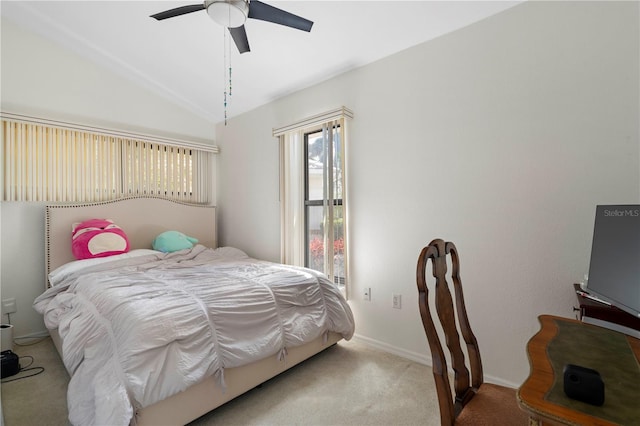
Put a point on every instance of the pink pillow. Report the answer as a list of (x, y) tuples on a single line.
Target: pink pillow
[(98, 238)]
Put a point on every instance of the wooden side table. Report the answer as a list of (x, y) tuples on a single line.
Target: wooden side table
[(534, 396)]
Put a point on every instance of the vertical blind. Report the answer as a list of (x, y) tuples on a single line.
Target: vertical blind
[(46, 162)]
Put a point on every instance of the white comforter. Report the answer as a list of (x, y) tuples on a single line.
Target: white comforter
[(139, 329)]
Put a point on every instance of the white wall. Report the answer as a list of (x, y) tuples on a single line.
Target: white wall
[(40, 78), (501, 137)]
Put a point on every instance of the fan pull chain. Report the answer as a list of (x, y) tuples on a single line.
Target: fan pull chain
[(224, 73), (229, 92), (228, 52), (225, 107)]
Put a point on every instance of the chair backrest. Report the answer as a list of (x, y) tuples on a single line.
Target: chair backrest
[(465, 383)]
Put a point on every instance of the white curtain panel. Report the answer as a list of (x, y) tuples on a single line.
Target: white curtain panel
[(292, 198)]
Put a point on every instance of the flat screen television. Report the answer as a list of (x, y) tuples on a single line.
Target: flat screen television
[(614, 268)]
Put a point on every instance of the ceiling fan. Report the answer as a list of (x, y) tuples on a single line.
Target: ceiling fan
[(232, 14)]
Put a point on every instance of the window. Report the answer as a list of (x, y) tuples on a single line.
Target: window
[(324, 218), (313, 193), (52, 161)]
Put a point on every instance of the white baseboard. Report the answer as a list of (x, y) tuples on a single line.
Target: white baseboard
[(420, 358), (36, 335), (385, 347)]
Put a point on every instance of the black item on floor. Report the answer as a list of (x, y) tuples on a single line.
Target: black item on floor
[(10, 364)]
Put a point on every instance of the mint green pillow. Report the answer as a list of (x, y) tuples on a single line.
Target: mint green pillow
[(170, 241)]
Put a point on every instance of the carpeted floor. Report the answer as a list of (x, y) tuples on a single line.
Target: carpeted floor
[(348, 384)]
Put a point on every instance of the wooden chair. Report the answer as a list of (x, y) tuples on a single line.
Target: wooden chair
[(476, 403)]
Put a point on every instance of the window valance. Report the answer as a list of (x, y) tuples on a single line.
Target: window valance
[(314, 121)]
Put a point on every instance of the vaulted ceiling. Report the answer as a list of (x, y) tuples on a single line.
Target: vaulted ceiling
[(183, 58)]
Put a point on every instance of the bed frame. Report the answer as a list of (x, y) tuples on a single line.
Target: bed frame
[(143, 218)]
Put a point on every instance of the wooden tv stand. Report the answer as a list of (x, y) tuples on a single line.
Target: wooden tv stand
[(595, 312)]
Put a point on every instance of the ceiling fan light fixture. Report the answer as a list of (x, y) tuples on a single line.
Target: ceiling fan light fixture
[(229, 13)]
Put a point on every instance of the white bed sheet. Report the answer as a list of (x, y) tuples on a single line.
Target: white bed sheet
[(137, 330)]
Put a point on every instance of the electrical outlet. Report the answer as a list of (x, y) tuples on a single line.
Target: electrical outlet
[(9, 306), (367, 294), (397, 301)]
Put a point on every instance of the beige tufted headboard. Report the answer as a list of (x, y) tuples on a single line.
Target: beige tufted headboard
[(141, 218)]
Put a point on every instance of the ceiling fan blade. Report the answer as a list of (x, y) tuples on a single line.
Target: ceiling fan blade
[(264, 12), (239, 36), (182, 10)]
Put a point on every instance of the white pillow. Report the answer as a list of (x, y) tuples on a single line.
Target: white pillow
[(60, 273)]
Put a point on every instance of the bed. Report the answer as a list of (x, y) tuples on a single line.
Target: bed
[(212, 377)]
